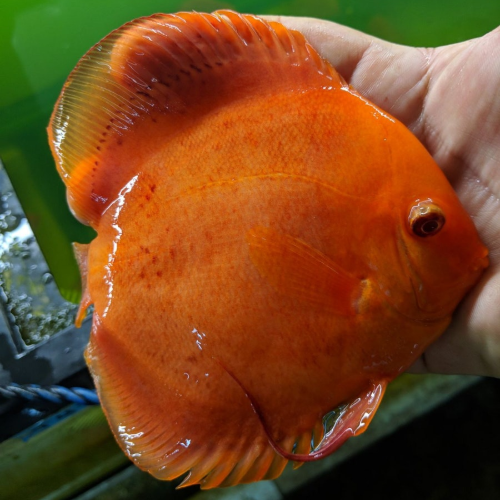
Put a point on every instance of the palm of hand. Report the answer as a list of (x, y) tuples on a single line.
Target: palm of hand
[(450, 98)]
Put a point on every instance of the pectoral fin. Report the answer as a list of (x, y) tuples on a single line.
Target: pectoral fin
[(294, 268)]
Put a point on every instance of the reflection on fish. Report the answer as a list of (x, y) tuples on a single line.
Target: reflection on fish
[(271, 246)]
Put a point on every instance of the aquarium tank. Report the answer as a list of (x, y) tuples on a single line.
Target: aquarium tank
[(40, 43)]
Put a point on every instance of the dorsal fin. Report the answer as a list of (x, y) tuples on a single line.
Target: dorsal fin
[(152, 77)]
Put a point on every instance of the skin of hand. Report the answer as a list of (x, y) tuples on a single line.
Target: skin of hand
[(449, 97)]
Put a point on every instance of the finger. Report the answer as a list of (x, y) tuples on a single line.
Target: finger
[(392, 76)]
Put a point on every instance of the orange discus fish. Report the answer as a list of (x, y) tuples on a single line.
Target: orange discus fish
[(271, 246)]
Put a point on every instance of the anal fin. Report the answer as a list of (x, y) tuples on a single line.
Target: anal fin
[(350, 420), (353, 419)]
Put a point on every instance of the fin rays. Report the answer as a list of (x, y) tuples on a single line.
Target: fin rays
[(177, 66), (154, 446)]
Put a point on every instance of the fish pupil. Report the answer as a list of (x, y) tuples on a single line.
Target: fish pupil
[(430, 226)]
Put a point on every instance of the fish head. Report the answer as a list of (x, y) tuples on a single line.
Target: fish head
[(438, 244)]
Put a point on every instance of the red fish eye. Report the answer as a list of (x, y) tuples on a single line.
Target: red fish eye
[(426, 219)]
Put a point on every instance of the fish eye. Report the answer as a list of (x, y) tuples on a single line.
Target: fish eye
[(426, 219)]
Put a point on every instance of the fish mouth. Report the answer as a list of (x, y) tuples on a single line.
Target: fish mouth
[(482, 263)]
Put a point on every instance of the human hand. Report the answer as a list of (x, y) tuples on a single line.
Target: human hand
[(449, 97)]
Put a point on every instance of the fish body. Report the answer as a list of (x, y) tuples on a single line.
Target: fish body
[(271, 246)]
